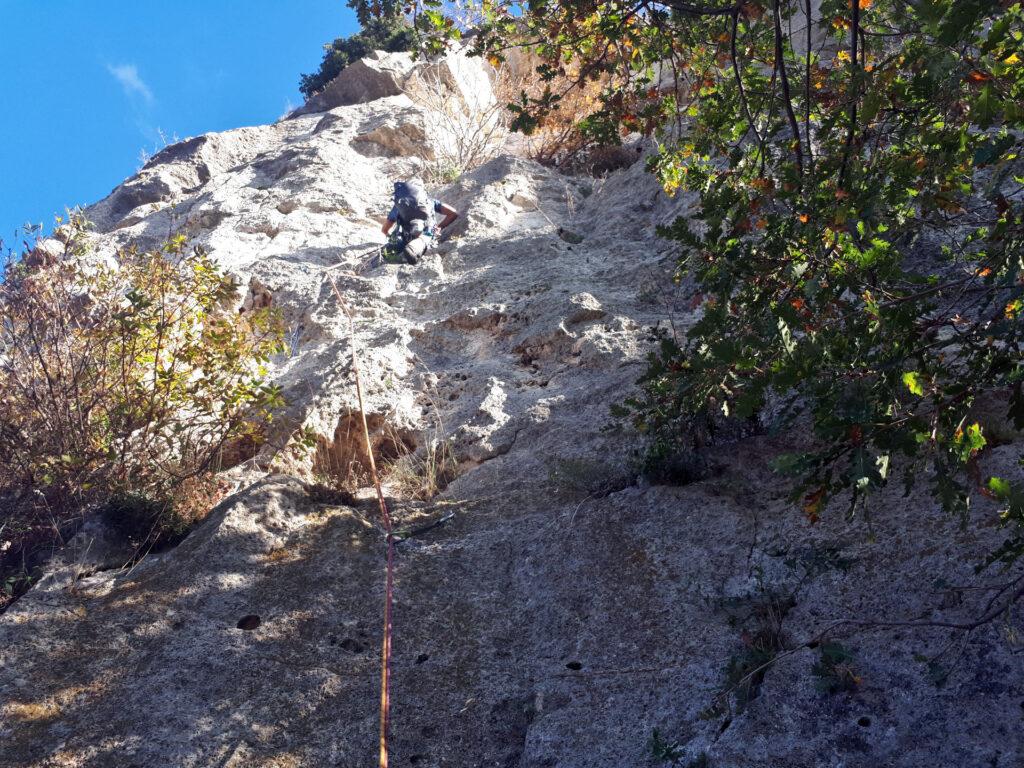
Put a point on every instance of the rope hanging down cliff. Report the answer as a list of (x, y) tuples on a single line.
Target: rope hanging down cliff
[(385, 668)]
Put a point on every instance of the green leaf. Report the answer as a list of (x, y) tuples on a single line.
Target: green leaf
[(1000, 488), (993, 149), (787, 337), (970, 440), (912, 380), (986, 107), (871, 105), (883, 462), (961, 18), (792, 463)]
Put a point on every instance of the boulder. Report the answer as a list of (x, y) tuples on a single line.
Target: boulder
[(470, 79), (372, 77), (395, 138)]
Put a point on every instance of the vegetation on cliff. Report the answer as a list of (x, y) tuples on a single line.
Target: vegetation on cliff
[(857, 244), (383, 27), (127, 384)]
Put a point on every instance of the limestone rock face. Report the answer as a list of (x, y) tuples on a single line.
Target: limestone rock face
[(567, 609), (470, 79), (376, 76)]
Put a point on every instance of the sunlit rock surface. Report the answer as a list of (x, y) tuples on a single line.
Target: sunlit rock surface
[(566, 611)]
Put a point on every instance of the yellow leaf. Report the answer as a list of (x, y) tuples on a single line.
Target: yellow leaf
[(812, 505)]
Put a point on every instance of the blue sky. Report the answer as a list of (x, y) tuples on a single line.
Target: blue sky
[(86, 85)]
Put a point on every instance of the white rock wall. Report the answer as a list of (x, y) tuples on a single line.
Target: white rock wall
[(566, 611)]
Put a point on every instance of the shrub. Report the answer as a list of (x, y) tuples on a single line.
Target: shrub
[(663, 750), (470, 128), (760, 621), (127, 379), (151, 523), (834, 670), (562, 135)]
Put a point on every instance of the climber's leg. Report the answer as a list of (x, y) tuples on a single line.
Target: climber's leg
[(414, 249)]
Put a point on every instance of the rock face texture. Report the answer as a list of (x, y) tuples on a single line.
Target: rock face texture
[(379, 75), (567, 610)]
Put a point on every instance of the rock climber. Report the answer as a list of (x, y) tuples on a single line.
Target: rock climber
[(413, 212)]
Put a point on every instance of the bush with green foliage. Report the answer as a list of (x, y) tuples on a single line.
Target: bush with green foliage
[(857, 251), (124, 378)]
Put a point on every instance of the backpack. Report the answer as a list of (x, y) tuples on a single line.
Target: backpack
[(414, 206)]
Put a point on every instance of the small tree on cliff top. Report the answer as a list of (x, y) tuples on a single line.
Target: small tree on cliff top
[(857, 245), (392, 26), (382, 27), (378, 34)]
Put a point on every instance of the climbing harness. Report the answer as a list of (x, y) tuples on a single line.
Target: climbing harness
[(391, 251)]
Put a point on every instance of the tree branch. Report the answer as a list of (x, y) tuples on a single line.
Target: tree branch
[(739, 80), (787, 98), (807, 88), (852, 129)]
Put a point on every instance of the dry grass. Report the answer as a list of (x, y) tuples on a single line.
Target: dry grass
[(425, 473)]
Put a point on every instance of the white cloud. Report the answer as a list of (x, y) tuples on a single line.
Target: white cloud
[(128, 76)]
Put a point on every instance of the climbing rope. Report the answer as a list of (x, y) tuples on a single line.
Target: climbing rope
[(385, 515), (385, 665)]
